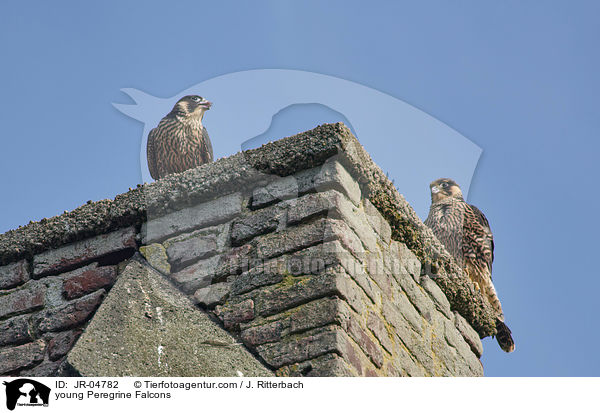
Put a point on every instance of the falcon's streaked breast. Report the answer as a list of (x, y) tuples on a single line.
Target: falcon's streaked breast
[(180, 141)]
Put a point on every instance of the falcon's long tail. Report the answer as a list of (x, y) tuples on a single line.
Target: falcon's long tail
[(504, 337)]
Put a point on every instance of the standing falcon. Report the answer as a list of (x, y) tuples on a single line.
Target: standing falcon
[(466, 234), (180, 142)]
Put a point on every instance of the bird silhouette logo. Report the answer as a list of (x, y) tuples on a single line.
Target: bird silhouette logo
[(412, 146)]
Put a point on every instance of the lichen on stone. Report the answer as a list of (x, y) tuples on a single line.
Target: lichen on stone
[(156, 255)]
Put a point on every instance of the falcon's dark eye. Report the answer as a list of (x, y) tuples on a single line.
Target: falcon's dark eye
[(196, 98), (444, 185)]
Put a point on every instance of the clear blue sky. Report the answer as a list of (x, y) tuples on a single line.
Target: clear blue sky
[(519, 79)]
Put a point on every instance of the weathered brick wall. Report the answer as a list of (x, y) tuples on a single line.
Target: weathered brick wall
[(45, 301), (281, 245)]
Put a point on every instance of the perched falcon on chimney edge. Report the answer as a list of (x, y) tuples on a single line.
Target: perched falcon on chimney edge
[(180, 141), (466, 234)]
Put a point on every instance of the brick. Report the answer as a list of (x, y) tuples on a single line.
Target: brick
[(279, 189), (409, 260), (156, 255), (318, 313), (311, 315), (235, 261), (257, 223), (203, 243), (378, 272), (202, 215), (333, 175), (297, 349), (75, 272), (355, 356), (294, 291), (311, 205), (15, 331), (180, 253), (265, 333), (366, 343), (26, 355), (298, 290), (293, 239), (267, 273), (198, 275), (377, 327), (14, 274), (304, 236), (357, 272), (461, 350), (61, 343), (327, 365), (416, 295), (45, 369), (417, 344), (305, 180), (446, 357), (404, 364), (28, 298), (213, 294), (392, 262), (233, 315), (335, 205), (403, 306), (69, 315), (82, 252), (377, 221), (352, 293), (438, 296), (88, 281), (311, 260), (357, 220), (469, 334), (336, 229)]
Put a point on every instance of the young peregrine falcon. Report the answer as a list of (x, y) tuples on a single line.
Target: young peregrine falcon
[(466, 234), (180, 141)]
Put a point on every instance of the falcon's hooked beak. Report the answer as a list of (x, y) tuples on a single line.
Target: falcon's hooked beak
[(205, 104), (436, 194)]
